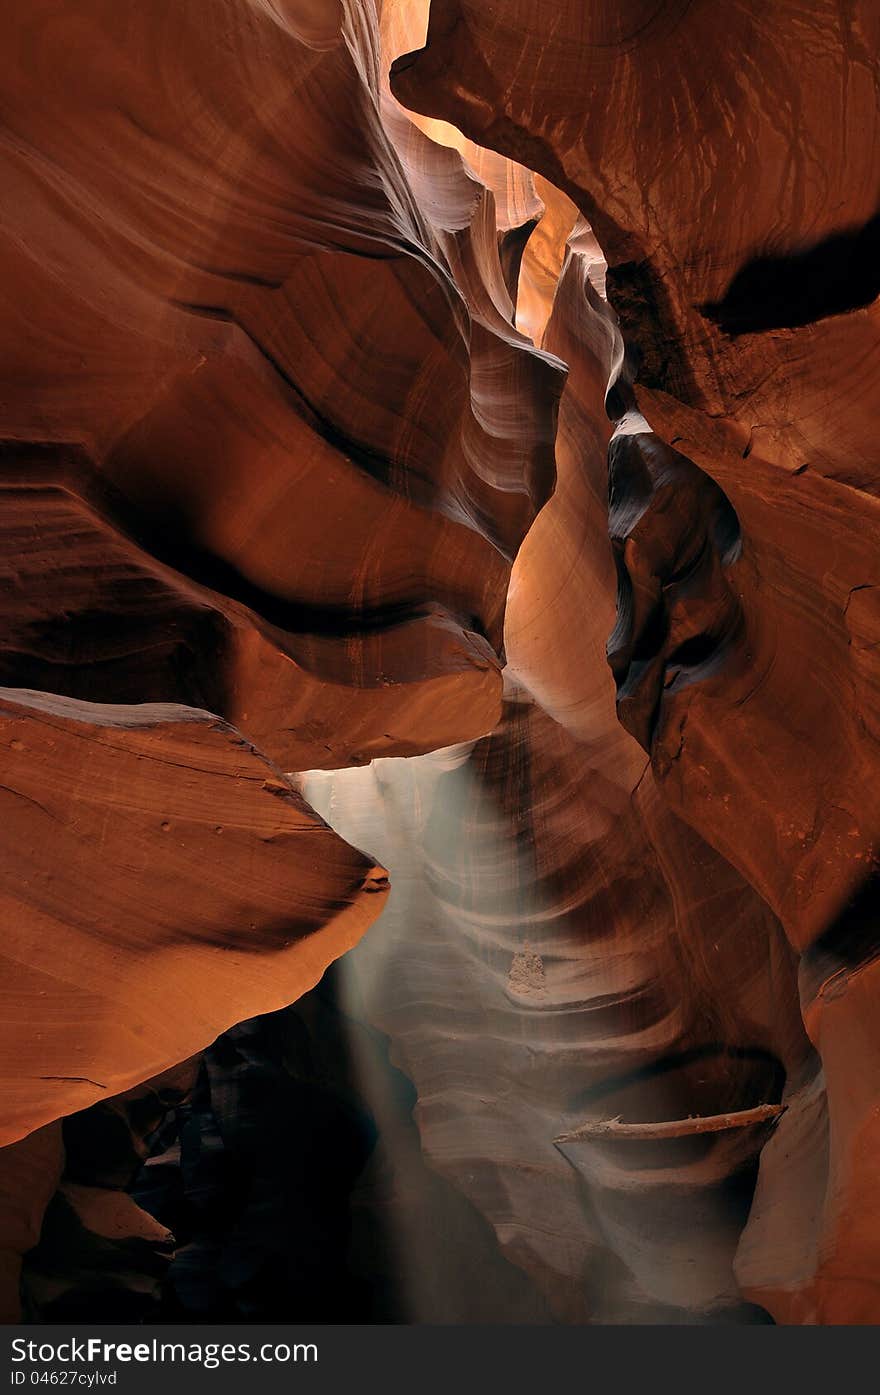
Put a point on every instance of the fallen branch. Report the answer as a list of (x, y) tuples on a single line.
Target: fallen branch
[(674, 1128)]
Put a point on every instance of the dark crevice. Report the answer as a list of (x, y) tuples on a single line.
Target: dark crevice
[(850, 944), (787, 291), (68, 466)]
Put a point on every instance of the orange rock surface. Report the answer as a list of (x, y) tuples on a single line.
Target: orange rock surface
[(461, 418)]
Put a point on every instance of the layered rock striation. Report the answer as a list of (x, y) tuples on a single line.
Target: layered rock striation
[(457, 427)]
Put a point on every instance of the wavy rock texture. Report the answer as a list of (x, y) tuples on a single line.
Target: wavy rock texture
[(264, 457), (605, 959), (90, 612), (194, 306), (110, 967), (353, 355), (172, 308), (737, 216)]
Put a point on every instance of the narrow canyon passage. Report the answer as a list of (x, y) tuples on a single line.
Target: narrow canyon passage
[(440, 658)]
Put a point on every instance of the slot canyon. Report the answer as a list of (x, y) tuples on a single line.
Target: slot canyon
[(440, 661)]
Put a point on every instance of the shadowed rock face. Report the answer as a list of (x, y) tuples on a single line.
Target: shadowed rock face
[(674, 535), (736, 212), (464, 423), (270, 443)]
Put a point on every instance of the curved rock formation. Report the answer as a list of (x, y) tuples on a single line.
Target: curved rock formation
[(492, 388), (741, 273), (89, 612), (30, 1171), (289, 536), (270, 444), (604, 958), (132, 937)]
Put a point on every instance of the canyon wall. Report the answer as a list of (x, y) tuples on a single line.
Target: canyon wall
[(447, 435)]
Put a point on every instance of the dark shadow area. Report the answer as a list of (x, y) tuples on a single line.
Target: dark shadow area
[(838, 274), (850, 943), (287, 1196)]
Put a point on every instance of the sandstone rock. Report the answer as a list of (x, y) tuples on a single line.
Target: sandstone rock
[(158, 876), (354, 353)]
